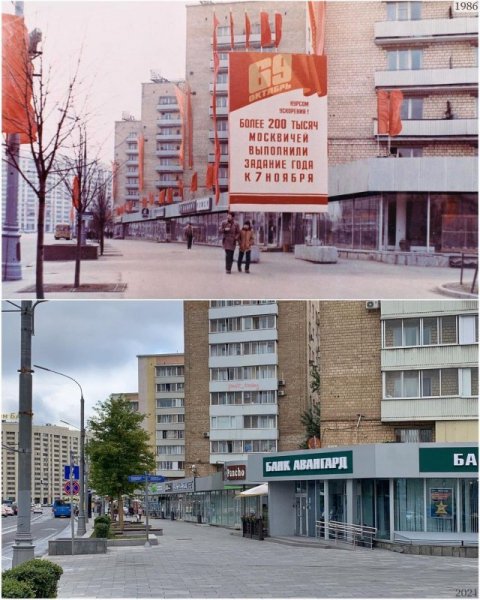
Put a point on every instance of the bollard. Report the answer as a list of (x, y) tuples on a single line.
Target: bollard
[(172, 516)]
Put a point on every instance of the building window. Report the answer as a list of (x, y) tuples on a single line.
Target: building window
[(169, 371), (412, 108), (224, 422), (467, 329), (257, 397), (170, 450), (166, 100), (259, 422), (170, 403), (413, 435), (409, 505), (404, 11), (428, 331), (401, 60), (430, 383), (170, 387)]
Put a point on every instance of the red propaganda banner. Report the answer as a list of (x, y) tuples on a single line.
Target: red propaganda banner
[(278, 132)]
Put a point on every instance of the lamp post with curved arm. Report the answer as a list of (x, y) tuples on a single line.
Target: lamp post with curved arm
[(81, 529)]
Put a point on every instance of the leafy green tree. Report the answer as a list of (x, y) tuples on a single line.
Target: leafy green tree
[(310, 419), (119, 447)]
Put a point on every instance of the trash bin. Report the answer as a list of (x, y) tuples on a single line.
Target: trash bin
[(172, 516), (162, 514), (199, 518)]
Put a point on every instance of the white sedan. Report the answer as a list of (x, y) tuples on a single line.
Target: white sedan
[(37, 508), (7, 511)]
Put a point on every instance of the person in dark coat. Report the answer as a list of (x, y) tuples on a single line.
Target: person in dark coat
[(231, 233), (246, 242), (189, 235)]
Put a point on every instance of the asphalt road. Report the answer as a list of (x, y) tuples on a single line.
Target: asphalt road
[(44, 527)]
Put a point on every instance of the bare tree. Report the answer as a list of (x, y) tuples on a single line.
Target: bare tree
[(45, 128)]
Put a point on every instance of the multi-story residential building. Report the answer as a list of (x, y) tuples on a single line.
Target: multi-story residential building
[(51, 446), (247, 378), (161, 397), (414, 193)]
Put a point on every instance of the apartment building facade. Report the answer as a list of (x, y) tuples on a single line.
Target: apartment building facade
[(161, 397), (414, 193), (51, 446)]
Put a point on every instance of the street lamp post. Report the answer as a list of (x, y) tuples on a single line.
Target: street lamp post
[(81, 529)]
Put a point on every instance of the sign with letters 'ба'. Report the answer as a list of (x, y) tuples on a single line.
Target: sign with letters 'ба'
[(448, 460), (311, 463)]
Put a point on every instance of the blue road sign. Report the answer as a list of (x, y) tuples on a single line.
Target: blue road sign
[(66, 472), (150, 478)]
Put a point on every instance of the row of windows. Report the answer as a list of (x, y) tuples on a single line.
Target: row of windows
[(429, 331), (243, 348), (241, 373), (245, 422), (257, 397), (170, 450), (170, 418), (170, 465), (166, 100), (430, 383), (170, 387), (239, 446), (242, 323), (171, 434), (404, 11), (170, 402), (176, 371)]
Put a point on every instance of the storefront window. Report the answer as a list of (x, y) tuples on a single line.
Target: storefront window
[(409, 505), (441, 503), (337, 501), (469, 505), (453, 222)]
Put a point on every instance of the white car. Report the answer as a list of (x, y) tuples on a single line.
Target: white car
[(7, 511), (37, 508)]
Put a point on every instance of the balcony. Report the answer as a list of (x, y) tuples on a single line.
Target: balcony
[(132, 151), (223, 181), (222, 135), (430, 357), (222, 111), (414, 129), (425, 174), (222, 88), (167, 107), (244, 386), (169, 168), (167, 183), (429, 409), (169, 137), (223, 158), (132, 163), (426, 30), (222, 64), (224, 41), (167, 153), (170, 122), (428, 79)]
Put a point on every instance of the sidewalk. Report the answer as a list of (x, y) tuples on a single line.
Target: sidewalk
[(200, 561), (170, 271)]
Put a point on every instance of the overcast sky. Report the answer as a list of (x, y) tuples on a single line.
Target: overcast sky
[(95, 342), (119, 43)]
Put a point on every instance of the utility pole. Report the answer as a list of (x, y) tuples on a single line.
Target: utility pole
[(23, 548), (11, 265)]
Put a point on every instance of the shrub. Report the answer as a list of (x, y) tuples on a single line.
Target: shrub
[(12, 588), (101, 530), (41, 575), (103, 519)]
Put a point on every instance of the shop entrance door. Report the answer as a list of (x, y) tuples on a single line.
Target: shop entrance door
[(301, 508)]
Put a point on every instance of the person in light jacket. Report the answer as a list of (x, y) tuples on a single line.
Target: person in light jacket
[(231, 232), (246, 242)]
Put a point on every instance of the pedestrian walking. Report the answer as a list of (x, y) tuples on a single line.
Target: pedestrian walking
[(189, 235), (231, 234), (246, 241)]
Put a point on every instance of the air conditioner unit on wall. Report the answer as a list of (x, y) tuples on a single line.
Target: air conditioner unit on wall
[(281, 382), (281, 392), (206, 434), (372, 304)]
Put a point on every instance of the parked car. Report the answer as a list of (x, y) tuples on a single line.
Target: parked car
[(37, 508), (63, 231), (8, 510), (4, 511)]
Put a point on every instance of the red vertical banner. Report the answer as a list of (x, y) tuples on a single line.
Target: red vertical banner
[(144, 202), (395, 119), (141, 150), (216, 22), (181, 188), (76, 192), (248, 29), (265, 31), (278, 29), (161, 197), (17, 90), (382, 112), (232, 34), (317, 15), (181, 105), (209, 177), (169, 196), (216, 65), (151, 199), (194, 182), (114, 180)]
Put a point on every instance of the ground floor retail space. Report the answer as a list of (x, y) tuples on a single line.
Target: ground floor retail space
[(407, 222)]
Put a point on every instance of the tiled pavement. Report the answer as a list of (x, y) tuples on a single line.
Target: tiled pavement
[(198, 561)]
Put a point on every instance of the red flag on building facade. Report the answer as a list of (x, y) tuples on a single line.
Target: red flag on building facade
[(317, 15), (209, 177), (17, 113), (181, 187), (194, 182), (189, 126), (395, 119), (151, 199), (169, 196), (382, 111), (76, 192), (215, 25), (265, 31), (248, 29), (181, 105), (161, 197), (232, 35), (278, 29)]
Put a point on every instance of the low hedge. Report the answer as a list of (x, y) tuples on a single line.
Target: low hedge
[(101, 530), (13, 588), (41, 576)]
